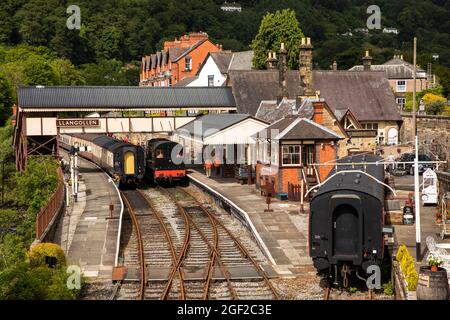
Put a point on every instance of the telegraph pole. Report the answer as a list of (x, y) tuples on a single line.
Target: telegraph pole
[(416, 162)]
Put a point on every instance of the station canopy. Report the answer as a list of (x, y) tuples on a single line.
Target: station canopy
[(87, 98)]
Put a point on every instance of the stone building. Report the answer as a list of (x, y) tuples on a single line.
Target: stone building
[(365, 95), (400, 75)]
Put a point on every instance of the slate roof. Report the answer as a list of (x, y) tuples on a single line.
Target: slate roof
[(211, 123), (297, 128), (222, 60), (367, 94), (123, 97), (395, 69), (242, 60), (185, 81), (271, 111)]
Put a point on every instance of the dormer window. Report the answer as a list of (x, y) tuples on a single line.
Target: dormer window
[(188, 63)]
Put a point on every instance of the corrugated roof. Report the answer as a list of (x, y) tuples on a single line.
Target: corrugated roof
[(367, 94), (211, 123), (124, 97)]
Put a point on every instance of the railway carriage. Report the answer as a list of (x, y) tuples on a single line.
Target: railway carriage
[(120, 159), (346, 219)]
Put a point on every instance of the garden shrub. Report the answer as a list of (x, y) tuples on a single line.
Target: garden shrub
[(40, 251), (401, 252), (407, 267)]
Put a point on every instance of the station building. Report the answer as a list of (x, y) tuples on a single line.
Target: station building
[(226, 138)]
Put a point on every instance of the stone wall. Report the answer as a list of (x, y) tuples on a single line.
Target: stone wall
[(433, 132)]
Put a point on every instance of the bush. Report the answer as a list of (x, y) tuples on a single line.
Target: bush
[(411, 279), (388, 289), (38, 253), (407, 267), (401, 252)]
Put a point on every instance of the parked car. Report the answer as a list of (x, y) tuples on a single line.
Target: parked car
[(409, 167)]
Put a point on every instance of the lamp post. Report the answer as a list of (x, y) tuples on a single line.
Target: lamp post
[(416, 161)]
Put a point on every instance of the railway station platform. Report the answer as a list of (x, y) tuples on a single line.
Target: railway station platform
[(86, 232), (281, 234)]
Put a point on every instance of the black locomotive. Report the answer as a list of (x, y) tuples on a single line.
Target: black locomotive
[(164, 162), (346, 219), (122, 160)]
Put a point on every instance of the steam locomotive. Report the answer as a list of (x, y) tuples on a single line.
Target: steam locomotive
[(346, 219), (164, 162), (120, 159)]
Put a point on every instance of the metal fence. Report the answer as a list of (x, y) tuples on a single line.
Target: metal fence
[(48, 213)]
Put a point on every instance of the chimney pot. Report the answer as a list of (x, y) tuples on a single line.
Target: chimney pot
[(401, 57), (308, 41), (282, 46)]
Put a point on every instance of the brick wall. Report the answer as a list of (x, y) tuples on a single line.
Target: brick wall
[(327, 153)]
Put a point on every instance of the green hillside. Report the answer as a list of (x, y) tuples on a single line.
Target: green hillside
[(119, 32)]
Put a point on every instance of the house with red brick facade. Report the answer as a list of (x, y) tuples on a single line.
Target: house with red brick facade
[(289, 150), (178, 60)]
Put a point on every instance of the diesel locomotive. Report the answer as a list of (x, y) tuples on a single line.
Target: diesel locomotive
[(164, 162), (120, 159), (346, 219)]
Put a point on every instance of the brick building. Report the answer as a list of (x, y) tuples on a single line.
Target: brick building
[(288, 149), (180, 58)]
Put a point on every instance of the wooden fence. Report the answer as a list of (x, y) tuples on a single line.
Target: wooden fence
[(47, 215), (294, 192)]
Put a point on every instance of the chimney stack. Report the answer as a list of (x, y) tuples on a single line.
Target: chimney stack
[(271, 62), (282, 70), (334, 65), (367, 61), (306, 64)]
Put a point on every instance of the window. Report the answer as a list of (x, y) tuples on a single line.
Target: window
[(188, 63), (401, 102), (370, 125), (159, 154), (291, 155), (401, 86), (211, 81)]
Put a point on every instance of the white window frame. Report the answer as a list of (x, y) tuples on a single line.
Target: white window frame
[(291, 153), (402, 105), (188, 63), (401, 87), (210, 80)]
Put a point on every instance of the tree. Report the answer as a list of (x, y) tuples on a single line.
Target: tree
[(66, 73), (6, 99), (276, 28)]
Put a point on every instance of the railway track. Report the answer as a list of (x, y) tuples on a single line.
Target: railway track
[(149, 247), (225, 251), (195, 254), (328, 291)]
